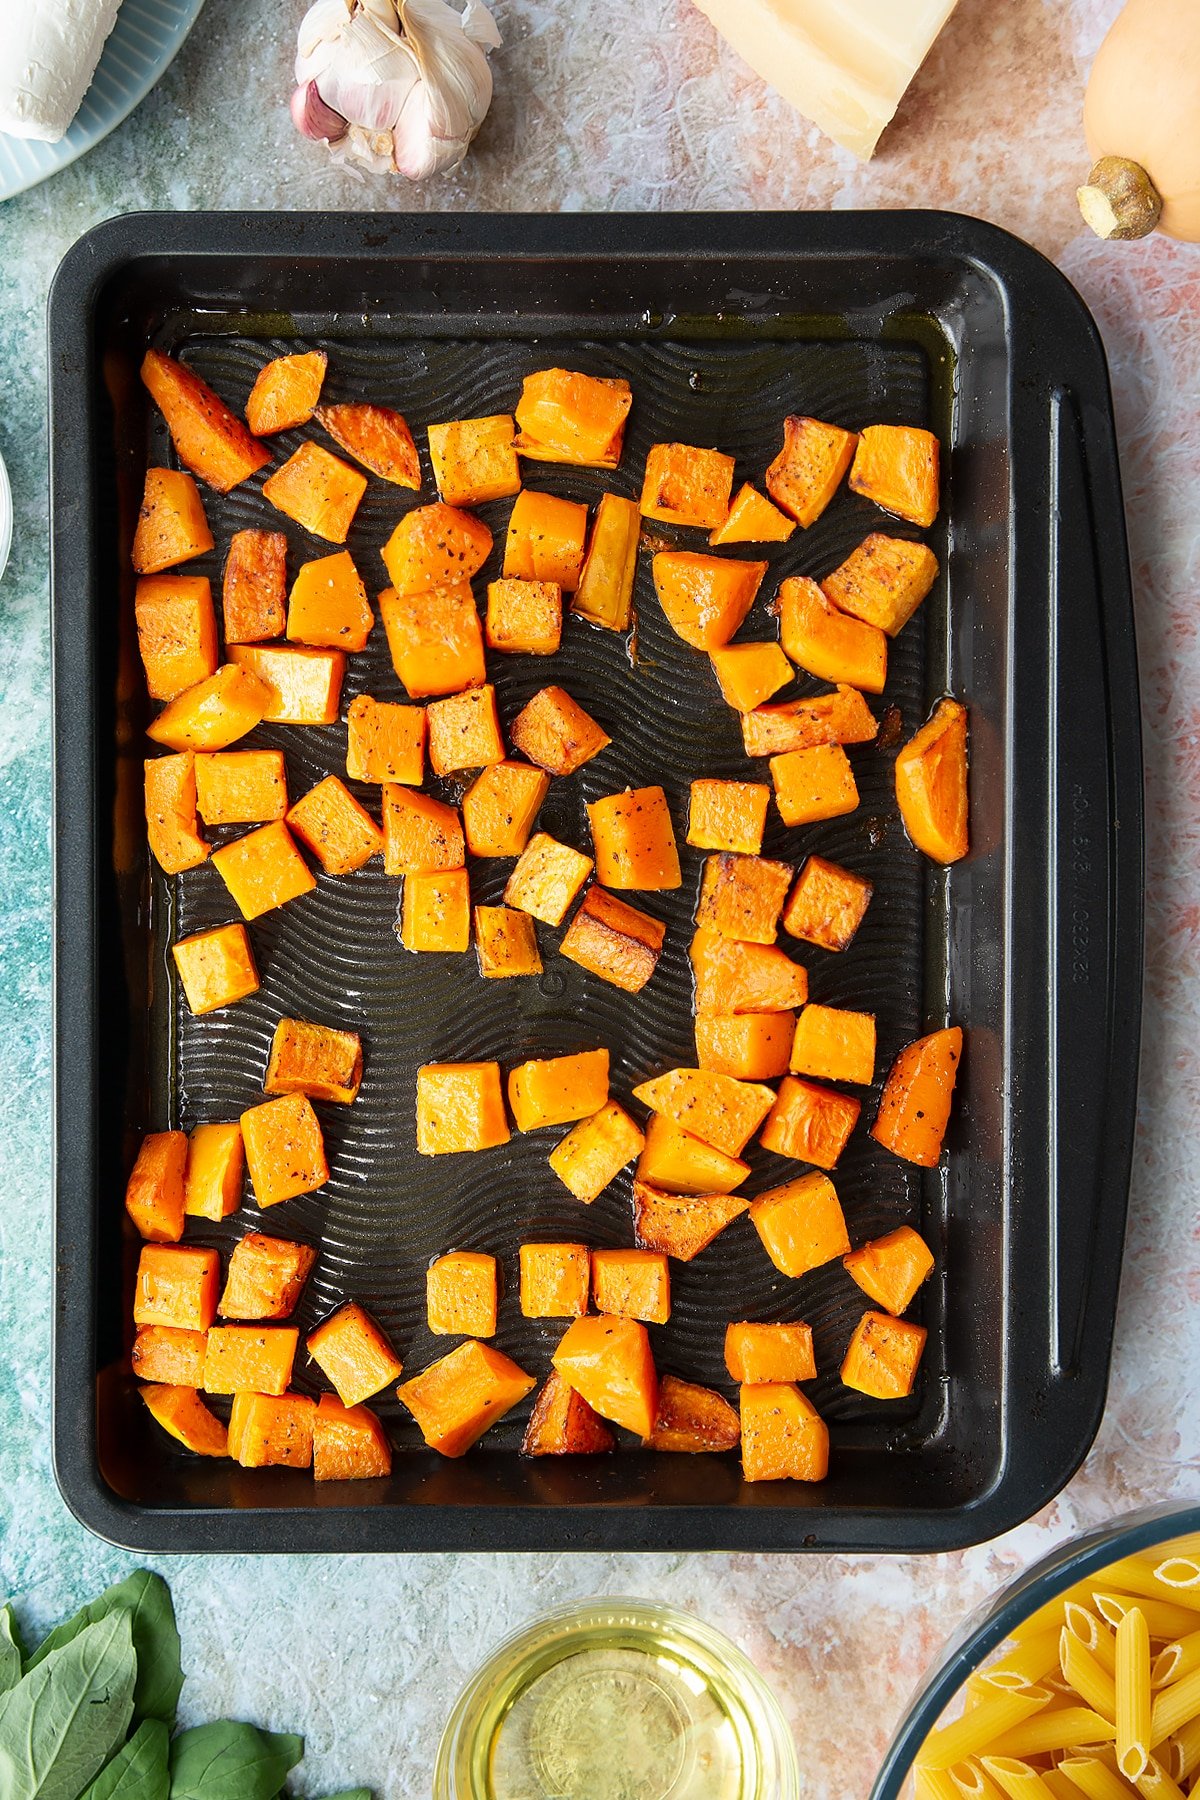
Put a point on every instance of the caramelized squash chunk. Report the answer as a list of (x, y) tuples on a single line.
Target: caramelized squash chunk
[(801, 1224), (914, 1108), (353, 1354), (265, 1278), (608, 1360), (890, 1269), (177, 633), (842, 717), (545, 539), (808, 470), (757, 1353), (605, 591), (212, 1182), (555, 1090), (435, 914), (827, 904), (328, 608), (268, 1431), (254, 587), (748, 674), (168, 1356), (500, 806), (505, 943), (693, 1419), (303, 686), (285, 1150), (686, 485), (681, 1225), (682, 1164), (263, 870), (749, 1046), (810, 1123), (634, 1284), (464, 731), (554, 732), (634, 840), (456, 1399), (210, 439), (896, 466), (563, 1424), (705, 598), (595, 1151), (733, 977), (728, 815), (882, 582), (835, 1044), (316, 1060), (524, 617), (815, 784), (177, 1285), (172, 827), (742, 896), (339, 832), (565, 416), (931, 784), (181, 1412), (435, 638), (753, 520), (614, 941), (435, 546), (474, 460), (215, 713), (317, 490), (827, 643), (547, 878), (285, 392), (154, 1191), (171, 527), (722, 1112), (784, 1437), (555, 1280), (241, 787), (385, 741), (376, 437), (349, 1443), (460, 1106), (216, 967), (421, 835), (883, 1355), (462, 1295)]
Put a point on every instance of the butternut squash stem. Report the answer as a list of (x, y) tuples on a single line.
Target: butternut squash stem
[(1119, 200)]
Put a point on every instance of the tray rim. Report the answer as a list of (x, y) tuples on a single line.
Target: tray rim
[(93, 261)]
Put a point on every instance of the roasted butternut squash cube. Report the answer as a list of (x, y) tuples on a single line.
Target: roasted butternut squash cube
[(784, 1437), (154, 1191), (435, 546), (210, 439), (524, 617), (752, 520), (241, 787), (608, 1360), (827, 904), (595, 1151), (882, 1356), (171, 527), (554, 1090), (836, 1044), (568, 417), (263, 870), (813, 784), (271, 1431), (545, 539), (705, 598), (749, 1046), (338, 831), (265, 1278), (801, 1224), (547, 878), (177, 632), (285, 1150), (328, 606), (728, 815), (634, 840), (842, 717), (254, 588), (882, 582), (692, 1420), (554, 732), (931, 784), (758, 1353), (435, 639), (285, 392), (353, 1354), (304, 686), (462, 1295), (420, 835), (460, 1106), (435, 914), (686, 485), (810, 1123), (181, 1412), (500, 806), (177, 1285), (896, 466), (318, 490), (681, 1225), (171, 806), (605, 591), (212, 1181), (732, 977), (385, 742), (474, 460), (168, 1356), (563, 1424), (682, 1164), (555, 1280), (914, 1108), (827, 643), (742, 896), (216, 967), (614, 940), (808, 470), (890, 1269), (456, 1399), (214, 713), (315, 1060), (722, 1112), (349, 1443), (464, 731), (378, 438), (505, 943), (748, 674)]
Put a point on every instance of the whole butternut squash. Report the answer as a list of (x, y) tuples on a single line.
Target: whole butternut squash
[(1142, 120)]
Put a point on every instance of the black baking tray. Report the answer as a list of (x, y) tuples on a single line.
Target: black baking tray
[(723, 324)]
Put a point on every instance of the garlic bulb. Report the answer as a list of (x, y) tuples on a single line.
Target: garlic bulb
[(395, 84)]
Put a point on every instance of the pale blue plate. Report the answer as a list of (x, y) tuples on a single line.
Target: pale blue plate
[(144, 41)]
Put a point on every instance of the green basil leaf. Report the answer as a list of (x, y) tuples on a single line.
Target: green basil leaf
[(230, 1761), (140, 1770), (64, 1719), (147, 1599), (12, 1650)]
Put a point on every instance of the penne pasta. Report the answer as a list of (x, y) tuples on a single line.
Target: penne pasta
[(1176, 1660), (933, 1784), (1163, 1618), (1174, 1707), (1094, 1634), (1133, 1575), (1061, 1728), (1081, 1670), (1030, 1659), (1016, 1779), (973, 1784), (1133, 1714), (1178, 1572), (978, 1729), (1154, 1783), (1185, 1749), (1089, 1776), (1052, 1612), (1059, 1786)]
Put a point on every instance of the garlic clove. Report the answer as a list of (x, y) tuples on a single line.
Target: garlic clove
[(313, 119)]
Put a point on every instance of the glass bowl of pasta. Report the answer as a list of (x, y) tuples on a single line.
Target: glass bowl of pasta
[(1080, 1680)]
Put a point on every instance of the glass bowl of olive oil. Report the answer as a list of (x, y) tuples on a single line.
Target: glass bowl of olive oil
[(617, 1700)]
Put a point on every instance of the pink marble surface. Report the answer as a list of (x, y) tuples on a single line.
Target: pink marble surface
[(636, 104)]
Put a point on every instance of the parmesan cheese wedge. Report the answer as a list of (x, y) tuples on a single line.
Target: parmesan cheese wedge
[(48, 54), (844, 64)]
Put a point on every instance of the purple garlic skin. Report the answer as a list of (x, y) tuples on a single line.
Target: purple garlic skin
[(313, 119)]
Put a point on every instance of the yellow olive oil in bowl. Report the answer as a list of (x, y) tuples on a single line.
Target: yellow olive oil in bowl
[(617, 1701)]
